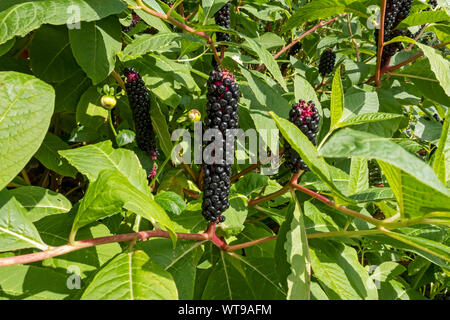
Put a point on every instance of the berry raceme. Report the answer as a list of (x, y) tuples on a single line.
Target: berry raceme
[(306, 117), (222, 114), (140, 106), (327, 61), (222, 18)]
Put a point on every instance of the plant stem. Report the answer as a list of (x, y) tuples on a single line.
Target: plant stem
[(278, 193), (111, 124), (332, 204), (380, 44)]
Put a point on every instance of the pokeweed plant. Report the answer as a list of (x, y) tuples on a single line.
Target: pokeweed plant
[(95, 205)]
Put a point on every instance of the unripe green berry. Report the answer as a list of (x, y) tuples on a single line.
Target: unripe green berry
[(108, 102), (194, 115)]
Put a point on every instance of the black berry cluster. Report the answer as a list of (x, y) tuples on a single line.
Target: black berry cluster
[(306, 117), (433, 3), (396, 11), (375, 178), (222, 18), (133, 24), (222, 114), (327, 61), (140, 106)]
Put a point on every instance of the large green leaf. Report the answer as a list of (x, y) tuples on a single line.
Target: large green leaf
[(320, 9), (131, 276), (238, 278), (433, 251), (27, 282), (181, 262), (352, 143), (20, 19), (413, 182), (92, 159), (337, 99), (49, 157), (339, 272), (50, 54), (112, 191), (439, 66), (95, 45), (39, 202), (261, 97), (55, 231), (441, 162), (16, 231), (297, 254), (26, 107), (267, 59)]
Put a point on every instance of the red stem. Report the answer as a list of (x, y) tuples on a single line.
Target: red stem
[(380, 44)]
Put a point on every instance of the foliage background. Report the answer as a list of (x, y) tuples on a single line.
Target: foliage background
[(370, 221)]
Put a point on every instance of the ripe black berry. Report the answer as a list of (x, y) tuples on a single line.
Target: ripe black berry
[(222, 18), (433, 3), (140, 106), (305, 116), (221, 113), (327, 61), (133, 24)]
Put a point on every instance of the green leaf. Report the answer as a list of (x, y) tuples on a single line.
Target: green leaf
[(438, 66), (367, 118), (131, 276), (423, 17), (161, 127), (26, 107), (433, 251), (352, 143), (69, 92), (181, 262), (109, 193), (297, 253), (337, 98), (239, 278), (40, 202), (260, 97), (320, 9), (125, 137), (339, 272), (416, 187), (235, 215), (267, 59), (50, 54), (20, 19), (373, 195), (359, 176), (92, 159), (210, 7), (25, 282), (49, 157), (146, 43), (91, 114), (95, 45), (441, 162), (171, 202), (55, 232), (16, 231), (307, 152)]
